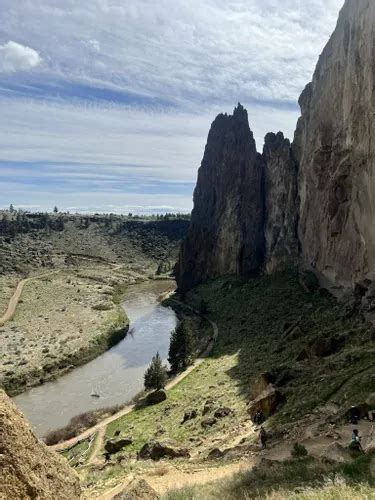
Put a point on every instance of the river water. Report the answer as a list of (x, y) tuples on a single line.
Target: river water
[(117, 375)]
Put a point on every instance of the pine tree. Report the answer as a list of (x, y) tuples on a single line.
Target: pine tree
[(181, 347), (55, 209), (156, 374), (11, 208)]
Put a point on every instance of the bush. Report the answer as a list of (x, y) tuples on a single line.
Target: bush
[(299, 451), (156, 374)]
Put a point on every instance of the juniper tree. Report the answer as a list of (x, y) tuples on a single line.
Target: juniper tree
[(181, 347), (156, 374)]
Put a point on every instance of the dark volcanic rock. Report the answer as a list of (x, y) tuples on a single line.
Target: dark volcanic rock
[(115, 445), (208, 422), (157, 450), (281, 211), (156, 397), (226, 231)]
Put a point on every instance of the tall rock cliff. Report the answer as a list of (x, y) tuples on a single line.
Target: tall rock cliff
[(312, 203), (28, 468), (226, 231), (281, 203), (334, 145)]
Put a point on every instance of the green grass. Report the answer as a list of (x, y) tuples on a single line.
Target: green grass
[(80, 452), (251, 317)]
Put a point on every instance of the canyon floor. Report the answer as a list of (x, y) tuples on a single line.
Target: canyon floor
[(60, 289), (320, 355)]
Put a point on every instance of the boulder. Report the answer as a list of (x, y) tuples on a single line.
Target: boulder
[(115, 445), (358, 411), (208, 422), (138, 489), (335, 452), (215, 453), (323, 347), (259, 384), (156, 397), (156, 450), (189, 415), (28, 468), (207, 406), (222, 412), (266, 403)]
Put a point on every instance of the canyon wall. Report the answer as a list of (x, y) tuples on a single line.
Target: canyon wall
[(309, 204), (334, 146)]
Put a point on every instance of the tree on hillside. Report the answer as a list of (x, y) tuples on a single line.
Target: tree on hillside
[(181, 347), (55, 209), (11, 208), (156, 374)]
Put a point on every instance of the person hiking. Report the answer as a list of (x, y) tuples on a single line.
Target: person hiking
[(258, 417), (263, 438), (355, 443)]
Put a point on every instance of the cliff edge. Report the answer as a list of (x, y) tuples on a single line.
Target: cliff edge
[(28, 468)]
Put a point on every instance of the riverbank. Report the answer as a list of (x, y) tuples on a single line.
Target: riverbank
[(62, 319)]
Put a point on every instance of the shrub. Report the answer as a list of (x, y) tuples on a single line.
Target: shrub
[(299, 451)]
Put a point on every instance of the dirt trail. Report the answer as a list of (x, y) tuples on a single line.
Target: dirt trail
[(165, 478), (103, 424), (13, 302)]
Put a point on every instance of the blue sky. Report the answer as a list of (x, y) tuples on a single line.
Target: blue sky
[(105, 105)]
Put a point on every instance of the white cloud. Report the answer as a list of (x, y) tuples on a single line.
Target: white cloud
[(16, 57), (131, 88)]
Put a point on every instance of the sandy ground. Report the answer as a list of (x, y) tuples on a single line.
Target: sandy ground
[(56, 319)]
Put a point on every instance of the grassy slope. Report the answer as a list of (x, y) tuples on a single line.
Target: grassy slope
[(252, 317)]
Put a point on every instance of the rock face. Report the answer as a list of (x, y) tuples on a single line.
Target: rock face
[(266, 403), (280, 202), (312, 204), (28, 468), (334, 145), (226, 231)]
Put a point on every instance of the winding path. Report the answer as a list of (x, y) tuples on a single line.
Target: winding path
[(101, 426), (13, 302)]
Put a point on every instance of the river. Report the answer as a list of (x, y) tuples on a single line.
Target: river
[(117, 375)]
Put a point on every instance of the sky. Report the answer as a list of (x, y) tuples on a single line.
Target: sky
[(105, 105)]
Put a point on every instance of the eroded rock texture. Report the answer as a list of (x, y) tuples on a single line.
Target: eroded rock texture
[(281, 203), (226, 231), (334, 145), (28, 468)]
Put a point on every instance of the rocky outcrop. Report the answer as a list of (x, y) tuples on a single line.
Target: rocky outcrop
[(266, 404), (334, 145), (312, 203), (280, 202), (28, 468), (226, 231)]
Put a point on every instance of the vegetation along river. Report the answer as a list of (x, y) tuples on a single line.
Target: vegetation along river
[(117, 375)]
